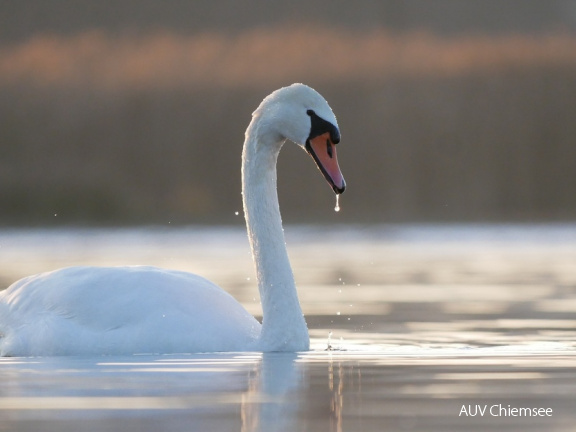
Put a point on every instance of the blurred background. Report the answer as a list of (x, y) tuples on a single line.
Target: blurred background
[(122, 119), (133, 112)]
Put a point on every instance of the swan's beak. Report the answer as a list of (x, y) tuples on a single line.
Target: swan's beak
[(323, 151)]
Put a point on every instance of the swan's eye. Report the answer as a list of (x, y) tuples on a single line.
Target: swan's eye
[(319, 126)]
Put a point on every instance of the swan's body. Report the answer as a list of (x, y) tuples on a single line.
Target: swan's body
[(124, 310)]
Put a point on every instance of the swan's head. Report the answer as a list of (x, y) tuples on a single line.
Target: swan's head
[(300, 114)]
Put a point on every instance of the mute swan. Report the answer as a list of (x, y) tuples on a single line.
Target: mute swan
[(140, 309)]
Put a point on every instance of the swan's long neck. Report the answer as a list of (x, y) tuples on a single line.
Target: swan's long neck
[(283, 325)]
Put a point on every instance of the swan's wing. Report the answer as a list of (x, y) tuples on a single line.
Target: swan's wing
[(120, 310)]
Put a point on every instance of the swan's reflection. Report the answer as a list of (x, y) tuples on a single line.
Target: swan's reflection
[(267, 390), (271, 402)]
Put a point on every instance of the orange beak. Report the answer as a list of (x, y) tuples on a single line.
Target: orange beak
[(323, 151)]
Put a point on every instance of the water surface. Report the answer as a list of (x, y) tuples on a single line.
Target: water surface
[(413, 328)]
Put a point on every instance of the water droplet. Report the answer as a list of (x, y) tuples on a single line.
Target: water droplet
[(337, 208), (236, 213), (338, 313)]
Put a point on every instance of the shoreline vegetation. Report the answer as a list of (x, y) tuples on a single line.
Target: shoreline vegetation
[(147, 128), (268, 57)]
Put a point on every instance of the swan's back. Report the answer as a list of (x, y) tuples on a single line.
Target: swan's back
[(121, 310)]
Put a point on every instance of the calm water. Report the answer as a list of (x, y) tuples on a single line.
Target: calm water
[(426, 325)]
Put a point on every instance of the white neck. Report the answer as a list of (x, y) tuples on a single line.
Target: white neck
[(283, 324)]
